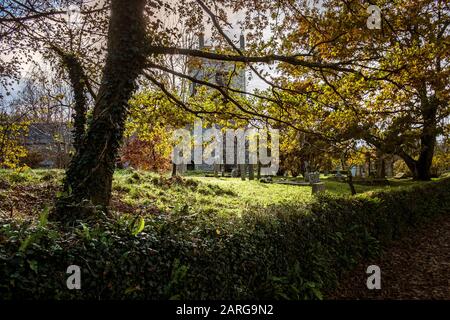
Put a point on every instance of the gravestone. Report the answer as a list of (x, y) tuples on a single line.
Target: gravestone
[(338, 173), (266, 179), (181, 169), (402, 175), (216, 170), (313, 177), (389, 168), (318, 187), (306, 176), (317, 177)]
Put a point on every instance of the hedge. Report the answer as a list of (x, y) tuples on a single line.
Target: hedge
[(283, 251)]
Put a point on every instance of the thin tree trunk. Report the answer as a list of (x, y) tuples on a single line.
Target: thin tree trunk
[(77, 80), (174, 169), (251, 172), (258, 170), (350, 182), (242, 171)]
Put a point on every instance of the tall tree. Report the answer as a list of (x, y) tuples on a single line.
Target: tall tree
[(399, 101), (135, 43), (89, 176), (69, 40)]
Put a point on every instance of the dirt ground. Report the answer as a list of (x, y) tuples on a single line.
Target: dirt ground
[(415, 267)]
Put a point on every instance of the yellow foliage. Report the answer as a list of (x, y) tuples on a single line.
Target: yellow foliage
[(11, 148)]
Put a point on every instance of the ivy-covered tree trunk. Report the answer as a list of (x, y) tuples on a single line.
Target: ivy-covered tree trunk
[(89, 176), (77, 80)]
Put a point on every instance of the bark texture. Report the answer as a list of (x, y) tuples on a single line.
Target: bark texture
[(89, 176)]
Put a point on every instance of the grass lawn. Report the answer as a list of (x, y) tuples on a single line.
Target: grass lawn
[(27, 193), (199, 237)]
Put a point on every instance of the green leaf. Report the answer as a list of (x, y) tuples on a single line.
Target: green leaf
[(43, 217), (27, 242), (131, 290), (33, 265), (86, 232), (317, 293), (139, 227)]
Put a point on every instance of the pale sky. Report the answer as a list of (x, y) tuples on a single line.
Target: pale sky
[(233, 32)]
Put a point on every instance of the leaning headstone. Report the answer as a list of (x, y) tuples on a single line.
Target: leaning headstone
[(234, 173)]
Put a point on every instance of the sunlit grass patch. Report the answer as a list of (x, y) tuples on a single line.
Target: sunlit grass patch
[(135, 191)]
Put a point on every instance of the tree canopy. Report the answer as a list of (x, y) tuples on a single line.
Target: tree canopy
[(330, 82)]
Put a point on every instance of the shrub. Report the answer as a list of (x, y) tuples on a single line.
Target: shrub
[(284, 251)]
